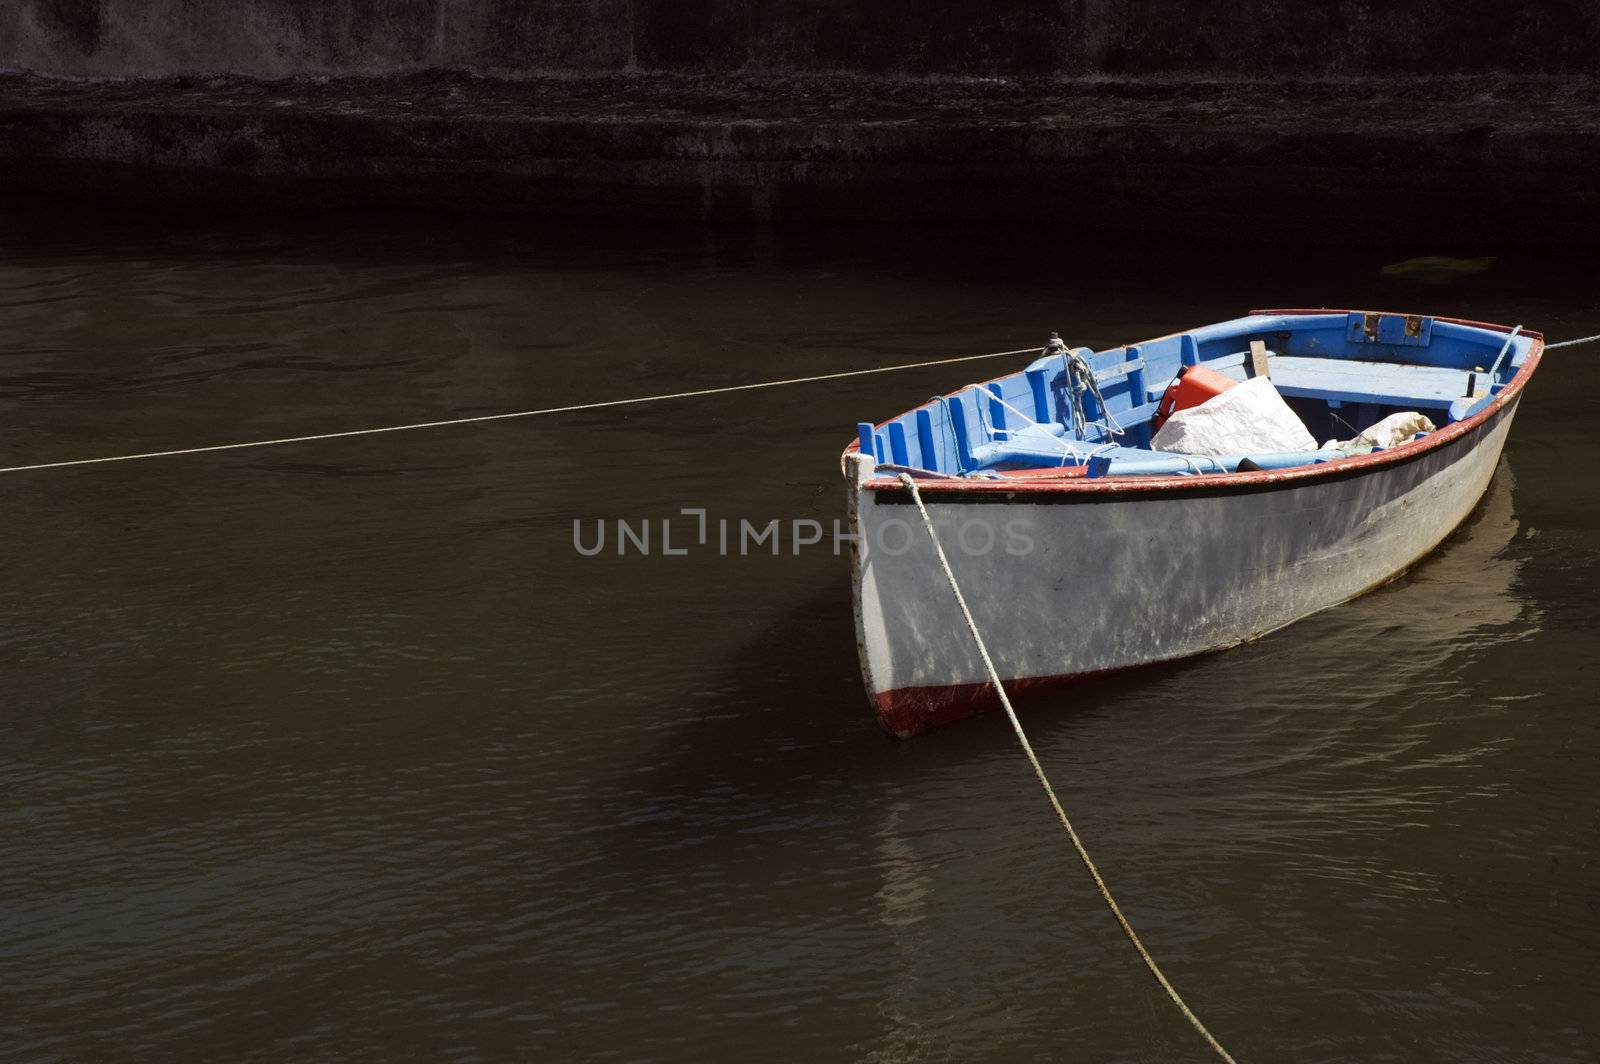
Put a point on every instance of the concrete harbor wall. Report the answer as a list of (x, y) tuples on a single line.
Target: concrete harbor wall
[(1469, 124), (916, 38)]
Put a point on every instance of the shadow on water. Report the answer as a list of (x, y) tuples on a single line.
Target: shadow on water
[(1116, 268), (788, 707)]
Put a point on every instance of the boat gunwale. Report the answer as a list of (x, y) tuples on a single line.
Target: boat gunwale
[(953, 489)]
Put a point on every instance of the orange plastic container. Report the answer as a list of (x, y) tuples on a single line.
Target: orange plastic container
[(1192, 386)]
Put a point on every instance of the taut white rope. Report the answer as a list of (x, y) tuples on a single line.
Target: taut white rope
[(1572, 343), (557, 410), (513, 414), (1044, 781)]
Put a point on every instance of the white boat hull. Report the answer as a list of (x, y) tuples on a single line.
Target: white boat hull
[(1071, 584)]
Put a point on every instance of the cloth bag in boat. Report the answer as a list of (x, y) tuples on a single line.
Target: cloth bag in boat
[(1392, 431), (1251, 418)]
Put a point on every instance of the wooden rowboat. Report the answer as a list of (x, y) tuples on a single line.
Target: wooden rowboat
[(1082, 551)]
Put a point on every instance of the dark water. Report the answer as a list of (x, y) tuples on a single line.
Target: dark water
[(340, 752)]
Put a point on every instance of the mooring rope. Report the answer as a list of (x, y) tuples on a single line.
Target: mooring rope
[(515, 413), (1044, 781), (1573, 343), (1501, 357), (479, 419)]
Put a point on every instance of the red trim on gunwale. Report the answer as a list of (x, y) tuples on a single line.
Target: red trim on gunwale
[(1144, 484)]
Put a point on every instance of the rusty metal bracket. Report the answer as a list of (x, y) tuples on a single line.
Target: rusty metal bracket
[(1402, 330)]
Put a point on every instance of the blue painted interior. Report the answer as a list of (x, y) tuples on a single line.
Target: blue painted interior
[(1340, 372)]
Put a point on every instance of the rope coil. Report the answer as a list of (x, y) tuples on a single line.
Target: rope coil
[(1044, 781)]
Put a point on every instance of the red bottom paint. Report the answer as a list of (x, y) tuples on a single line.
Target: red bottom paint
[(910, 711)]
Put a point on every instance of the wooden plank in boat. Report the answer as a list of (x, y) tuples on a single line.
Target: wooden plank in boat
[(1258, 359), (1352, 381)]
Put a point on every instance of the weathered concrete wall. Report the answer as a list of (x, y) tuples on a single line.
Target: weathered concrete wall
[(1284, 39), (1465, 122), (1271, 39), (276, 38), (1450, 163)]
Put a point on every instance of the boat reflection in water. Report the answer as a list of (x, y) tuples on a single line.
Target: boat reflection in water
[(1256, 808)]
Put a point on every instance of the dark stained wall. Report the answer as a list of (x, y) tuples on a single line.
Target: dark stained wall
[(1270, 39), (975, 38), (1282, 38)]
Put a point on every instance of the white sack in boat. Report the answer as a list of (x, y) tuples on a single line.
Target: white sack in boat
[(1392, 431), (1249, 418)]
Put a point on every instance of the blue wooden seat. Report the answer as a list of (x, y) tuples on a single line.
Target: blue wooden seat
[(1348, 380)]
